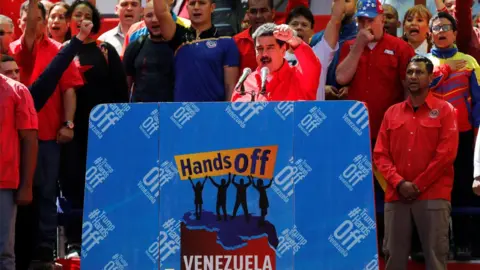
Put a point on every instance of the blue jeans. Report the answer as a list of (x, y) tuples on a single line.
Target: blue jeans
[(45, 193), (8, 214)]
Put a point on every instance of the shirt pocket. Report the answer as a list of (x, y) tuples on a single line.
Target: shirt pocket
[(430, 128), (396, 129), (388, 68)]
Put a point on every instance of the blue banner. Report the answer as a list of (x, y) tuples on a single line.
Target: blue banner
[(229, 186)]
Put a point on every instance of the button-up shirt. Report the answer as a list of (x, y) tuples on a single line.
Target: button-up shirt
[(418, 146), (115, 37), (246, 47), (17, 112), (379, 76)]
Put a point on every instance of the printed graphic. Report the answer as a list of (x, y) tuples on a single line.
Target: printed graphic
[(217, 186)]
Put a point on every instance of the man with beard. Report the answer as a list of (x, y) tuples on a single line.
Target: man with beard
[(348, 31), (415, 151), (129, 12), (149, 64), (391, 19)]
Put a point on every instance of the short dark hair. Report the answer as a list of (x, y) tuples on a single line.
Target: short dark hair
[(6, 58), (270, 4), (395, 11), (24, 8), (422, 59), (266, 30), (96, 17), (444, 15), (301, 11)]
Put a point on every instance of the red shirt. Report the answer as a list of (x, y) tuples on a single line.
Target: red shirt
[(51, 116), (17, 112), (288, 83), (379, 76), (419, 147), (246, 48)]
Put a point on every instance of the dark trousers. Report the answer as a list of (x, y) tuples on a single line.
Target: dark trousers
[(462, 194), (72, 183)]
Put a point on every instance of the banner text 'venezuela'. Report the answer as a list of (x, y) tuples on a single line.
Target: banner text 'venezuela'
[(256, 161)]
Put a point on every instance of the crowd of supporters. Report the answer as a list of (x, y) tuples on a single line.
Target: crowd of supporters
[(417, 75)]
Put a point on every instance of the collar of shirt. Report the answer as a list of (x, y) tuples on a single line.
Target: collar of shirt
[(423, 48), (119, 31), (444, 53), (209, 33), (245, 34), (429, 102), (348, 31)]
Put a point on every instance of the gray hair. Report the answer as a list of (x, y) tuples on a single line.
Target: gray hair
[(6, 19)]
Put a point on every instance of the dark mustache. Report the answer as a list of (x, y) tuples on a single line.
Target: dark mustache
[(265, 60)]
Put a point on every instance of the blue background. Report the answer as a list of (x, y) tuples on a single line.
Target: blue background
[(318, 206)]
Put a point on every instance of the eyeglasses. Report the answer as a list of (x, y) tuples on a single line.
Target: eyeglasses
[(442, 28), (3, 32)]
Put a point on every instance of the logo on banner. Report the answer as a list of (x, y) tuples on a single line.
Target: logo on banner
[(184, 114), (155, 178), (312, 121), (151, 124), (95, 230), (352, 231), (105, 116), (97, 174), (356, 171), (289, 176), (290, 239), (117, 263), (357, 118), (242, 112), (284, 109), (255, 161), (373, 264), (167, 242)]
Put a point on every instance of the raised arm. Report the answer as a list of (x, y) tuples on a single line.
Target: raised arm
[(351, 57), (213, 182), (191, 182), (332, 32), (30, 33), (269, 184), (204, 181), (165, 19)]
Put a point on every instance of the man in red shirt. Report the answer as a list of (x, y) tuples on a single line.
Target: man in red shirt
[(18, 157), (374, 64), (284, 81), (55, 122), (6, 33), (415, 151), (259, 12)]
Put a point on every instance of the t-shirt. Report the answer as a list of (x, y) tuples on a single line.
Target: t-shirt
[(152, 70), (199, 64)]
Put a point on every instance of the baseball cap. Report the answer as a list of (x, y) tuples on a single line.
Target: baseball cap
[(369, 8)]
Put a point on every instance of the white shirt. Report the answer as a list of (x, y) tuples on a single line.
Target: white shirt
[(423, 48), (476, 158), (325, 54), (114, 37)]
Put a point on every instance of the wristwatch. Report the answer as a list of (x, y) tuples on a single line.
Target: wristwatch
[(69, 124)]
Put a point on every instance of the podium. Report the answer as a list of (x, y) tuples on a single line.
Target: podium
[(150, 202)]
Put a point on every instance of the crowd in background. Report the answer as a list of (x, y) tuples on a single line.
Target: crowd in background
[(418, 76)]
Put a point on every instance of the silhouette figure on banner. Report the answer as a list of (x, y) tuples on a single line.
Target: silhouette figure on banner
[(198, 189), (222, 196), (263, 201), (241, 198)]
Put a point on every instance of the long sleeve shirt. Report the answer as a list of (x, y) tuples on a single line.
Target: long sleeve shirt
[(418, 146), (44, 86)]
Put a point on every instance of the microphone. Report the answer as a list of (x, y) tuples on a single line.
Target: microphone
[(264, 73), (246, 72)]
